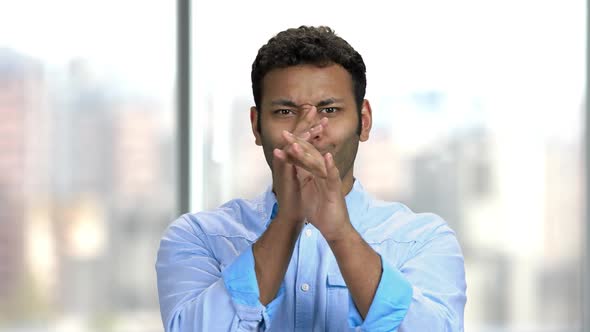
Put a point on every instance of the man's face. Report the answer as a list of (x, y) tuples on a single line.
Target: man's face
[(288, 93)]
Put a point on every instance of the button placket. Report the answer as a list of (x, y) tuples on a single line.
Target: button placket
[(305, 277)]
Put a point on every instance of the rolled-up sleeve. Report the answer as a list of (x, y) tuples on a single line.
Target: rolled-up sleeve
[(390, 303), (240, 281), (427, 293), (196, 295)]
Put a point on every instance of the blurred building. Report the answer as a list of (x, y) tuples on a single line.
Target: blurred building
[(82, 168), (87, 186), (560, 271), (115, 183), (22, 92), (143, 202), (452, 179), (522, 266)]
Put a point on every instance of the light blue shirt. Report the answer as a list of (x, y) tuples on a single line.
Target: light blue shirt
[(207, 281)]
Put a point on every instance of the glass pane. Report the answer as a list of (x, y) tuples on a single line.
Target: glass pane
[(477, 109), (87, 162)]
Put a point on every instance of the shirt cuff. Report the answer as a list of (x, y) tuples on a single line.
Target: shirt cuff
[(390, 303), (240, 282)]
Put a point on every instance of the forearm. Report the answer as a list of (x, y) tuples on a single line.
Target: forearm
[(193, 313), (272, 253), (192, 285), (360, 266)]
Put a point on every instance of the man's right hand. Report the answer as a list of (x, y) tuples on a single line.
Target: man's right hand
[(273, 250), (288, 179), (286, 187)]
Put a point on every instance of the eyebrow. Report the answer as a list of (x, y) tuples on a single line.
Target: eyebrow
[(290, 103), (329, 101), (284, 102)]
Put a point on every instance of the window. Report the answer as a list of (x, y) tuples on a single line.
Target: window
[(477, 112), (87, 162)]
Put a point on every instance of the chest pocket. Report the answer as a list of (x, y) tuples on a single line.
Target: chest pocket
[(336, 303)]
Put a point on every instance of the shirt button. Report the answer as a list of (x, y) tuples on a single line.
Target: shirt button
[(308, 232), (305, 287)]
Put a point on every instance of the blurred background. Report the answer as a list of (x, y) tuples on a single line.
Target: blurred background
[(107, 134)]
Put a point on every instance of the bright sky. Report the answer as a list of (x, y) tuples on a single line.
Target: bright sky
[(524, 60), (509, 50), (513, 48), (134, 39)]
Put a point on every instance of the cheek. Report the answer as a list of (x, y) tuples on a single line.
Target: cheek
[(271, 132), (340, 132), (272, 139), (345, 141)]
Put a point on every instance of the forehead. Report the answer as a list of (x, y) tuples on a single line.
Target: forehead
[(307, 84)]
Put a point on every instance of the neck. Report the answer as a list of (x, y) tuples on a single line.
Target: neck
[(347, 183)]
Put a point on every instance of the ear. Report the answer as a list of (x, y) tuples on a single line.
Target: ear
[(366, 120), (254, 121)]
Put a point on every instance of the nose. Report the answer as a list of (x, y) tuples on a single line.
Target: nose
[(305, 109), (316, 124)]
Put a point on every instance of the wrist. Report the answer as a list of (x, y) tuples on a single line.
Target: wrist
[(288, 220), (345, 234)]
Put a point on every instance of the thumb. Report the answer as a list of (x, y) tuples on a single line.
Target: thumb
[(284, 176), (333, 182)]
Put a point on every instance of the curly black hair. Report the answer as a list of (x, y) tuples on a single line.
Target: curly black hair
[(308, 45)]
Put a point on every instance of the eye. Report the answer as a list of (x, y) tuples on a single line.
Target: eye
[(283, 112), (329, 110)]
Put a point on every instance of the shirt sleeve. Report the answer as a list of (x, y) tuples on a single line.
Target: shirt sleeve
[(436, 271), (390, 303), (196, 295), (241, 283), (427, 293)]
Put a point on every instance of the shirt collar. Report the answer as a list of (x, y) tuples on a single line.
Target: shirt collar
[(268, 207), (356, 202)]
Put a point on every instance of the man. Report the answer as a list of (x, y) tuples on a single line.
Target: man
[(314, 252)]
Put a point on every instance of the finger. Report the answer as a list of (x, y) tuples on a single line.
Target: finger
[(278, 165), (317, 129), (289, 137), (313, 131), (279, 154), (306, 135), (303, 154), (302, 139), (334, 183), (303, 176), (300, 157), (283, 173), (306, 122)]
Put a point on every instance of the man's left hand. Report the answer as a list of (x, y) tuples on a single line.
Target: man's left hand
[(321, 187)]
